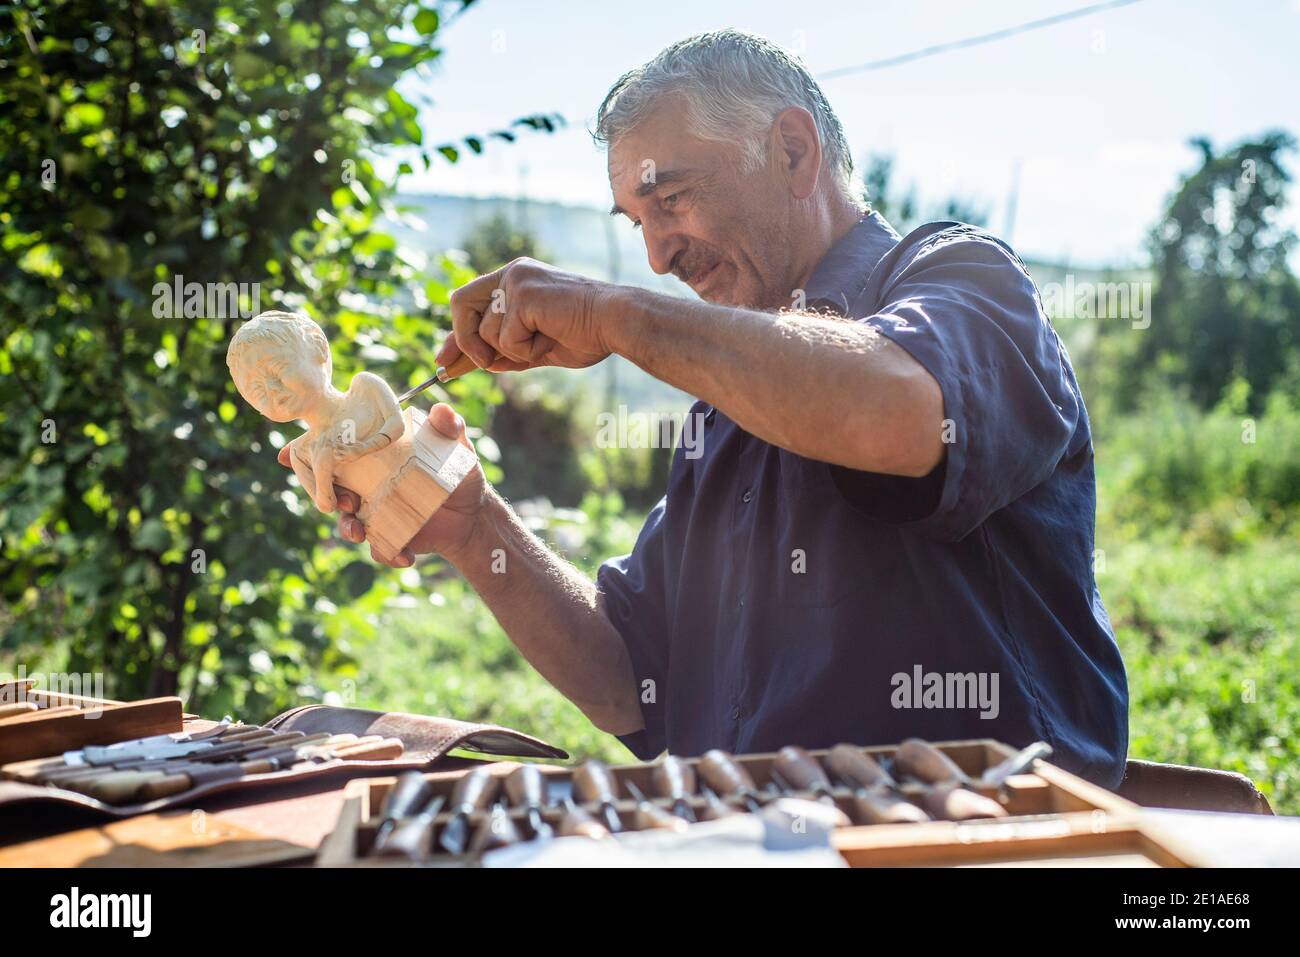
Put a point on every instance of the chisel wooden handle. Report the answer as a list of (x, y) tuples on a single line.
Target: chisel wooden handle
[(952, 802), (673, 778), (721, 772), (856, 769), (474, 791), (462, 364), (382, 750), (918, 759), (408, 797), (886, 807), (411, 837), (120, 787), (250, 733), (578, 823), (525, 786), (800, 770), (594, 784), (497, 831), (651, 817), (87, 777), (178, 781)]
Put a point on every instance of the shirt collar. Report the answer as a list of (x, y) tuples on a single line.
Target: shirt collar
[(843, 271)]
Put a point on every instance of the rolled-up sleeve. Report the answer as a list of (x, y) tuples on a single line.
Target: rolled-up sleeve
[(633, 589), (966, 310)]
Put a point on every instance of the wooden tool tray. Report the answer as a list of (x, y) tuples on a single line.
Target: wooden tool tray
[(1060, 807)]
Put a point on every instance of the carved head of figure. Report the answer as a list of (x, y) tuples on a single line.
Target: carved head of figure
[(281, 364)]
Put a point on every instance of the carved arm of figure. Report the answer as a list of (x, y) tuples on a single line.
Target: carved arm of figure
[(374, 389)]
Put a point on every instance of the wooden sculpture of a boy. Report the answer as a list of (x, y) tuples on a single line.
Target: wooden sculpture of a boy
[(359, 439)]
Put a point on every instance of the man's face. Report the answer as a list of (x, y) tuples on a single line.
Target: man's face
[(723, 232)]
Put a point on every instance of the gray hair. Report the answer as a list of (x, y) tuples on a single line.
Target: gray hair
[(735, 84)]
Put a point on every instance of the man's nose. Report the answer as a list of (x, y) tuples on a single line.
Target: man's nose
[(662, 246)]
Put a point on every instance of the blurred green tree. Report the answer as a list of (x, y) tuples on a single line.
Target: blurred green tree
[(901, 206), (496, 241), (1226, 304), (143, 522)]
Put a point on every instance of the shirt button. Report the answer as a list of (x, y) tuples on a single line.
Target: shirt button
[(735, 713), (748, 496)]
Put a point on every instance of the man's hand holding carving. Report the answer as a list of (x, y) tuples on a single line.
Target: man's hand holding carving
[(450, 528)]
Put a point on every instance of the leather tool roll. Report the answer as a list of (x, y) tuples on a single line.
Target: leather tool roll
[(427, 740)]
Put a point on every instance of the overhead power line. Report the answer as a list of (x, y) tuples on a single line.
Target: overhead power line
[(974, 41)]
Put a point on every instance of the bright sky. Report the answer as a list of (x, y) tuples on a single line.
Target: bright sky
[(1096, 112)]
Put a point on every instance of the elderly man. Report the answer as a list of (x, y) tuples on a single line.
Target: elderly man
[(889, 531)]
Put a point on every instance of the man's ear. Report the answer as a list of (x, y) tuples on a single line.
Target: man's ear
[(798, 149)]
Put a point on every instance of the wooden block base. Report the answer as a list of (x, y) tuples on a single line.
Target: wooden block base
[(405, 500)]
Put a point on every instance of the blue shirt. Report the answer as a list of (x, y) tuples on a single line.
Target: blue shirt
[(772, 599)]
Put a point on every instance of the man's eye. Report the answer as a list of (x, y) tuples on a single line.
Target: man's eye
[(670, 201), (636, 224)]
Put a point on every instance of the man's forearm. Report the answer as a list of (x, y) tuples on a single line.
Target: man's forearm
[(821, 387), (552, 613)]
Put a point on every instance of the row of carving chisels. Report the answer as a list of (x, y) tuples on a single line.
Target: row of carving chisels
[(485, 811), (145, 769)]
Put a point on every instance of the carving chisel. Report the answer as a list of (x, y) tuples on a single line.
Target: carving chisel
[(150, 780), (144, 760), (498, 830), (526, 788), (674, 779), (123, 787), (472, 793), (410, 795), (948, 797), (578, 823), (876, 798), (921, 760), (443, 375), (798, 770), (412, 837), (996, 776), (174, 777), (651, 817), (721, 772), (265, 761), (593, 784)]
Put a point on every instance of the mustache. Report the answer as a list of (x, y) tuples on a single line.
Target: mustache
[(684, 268)]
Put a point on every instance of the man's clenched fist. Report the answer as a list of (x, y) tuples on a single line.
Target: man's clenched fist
[(527, 314)]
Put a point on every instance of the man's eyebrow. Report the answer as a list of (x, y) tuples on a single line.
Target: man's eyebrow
[(664, 178)]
